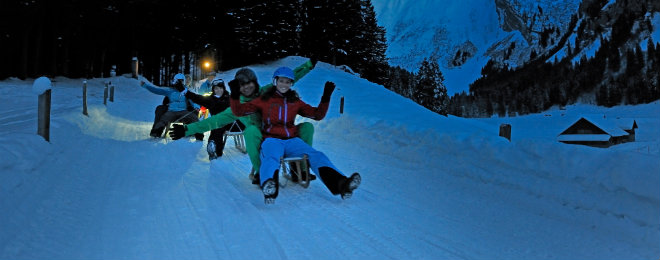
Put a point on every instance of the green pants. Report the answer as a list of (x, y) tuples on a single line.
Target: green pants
[(253, 139)]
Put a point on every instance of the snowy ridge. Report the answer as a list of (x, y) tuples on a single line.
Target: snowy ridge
[(432, 185)]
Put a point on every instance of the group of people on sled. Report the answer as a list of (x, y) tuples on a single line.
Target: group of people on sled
[(266, 116)]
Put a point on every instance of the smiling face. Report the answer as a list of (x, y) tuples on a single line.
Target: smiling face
[(283, 84), (218, 90), (248, 88)]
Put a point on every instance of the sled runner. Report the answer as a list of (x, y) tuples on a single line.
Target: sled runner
[(239, 139), (294, 169)]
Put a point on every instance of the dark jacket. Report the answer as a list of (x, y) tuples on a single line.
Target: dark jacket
[(213, 103)]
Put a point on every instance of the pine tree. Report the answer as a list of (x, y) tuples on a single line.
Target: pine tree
[(430, 91), (374, 61)]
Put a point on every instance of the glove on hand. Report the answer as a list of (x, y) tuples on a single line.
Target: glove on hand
[(327, 91), (178, 131), (235, 89)]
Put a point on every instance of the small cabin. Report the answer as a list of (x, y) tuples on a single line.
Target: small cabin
[(599, 132)]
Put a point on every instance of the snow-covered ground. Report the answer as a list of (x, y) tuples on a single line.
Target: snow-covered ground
[(433, 187)]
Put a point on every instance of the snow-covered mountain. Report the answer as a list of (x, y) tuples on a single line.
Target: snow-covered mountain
[(434, 187), (463, 35)]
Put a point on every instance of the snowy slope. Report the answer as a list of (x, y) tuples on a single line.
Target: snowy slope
[(433, 187)]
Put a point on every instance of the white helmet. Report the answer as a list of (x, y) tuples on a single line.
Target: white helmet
[(179, 76)]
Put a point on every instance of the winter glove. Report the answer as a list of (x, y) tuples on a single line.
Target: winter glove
[(178, 131), (179, 86), (327, 91), (235, 89)]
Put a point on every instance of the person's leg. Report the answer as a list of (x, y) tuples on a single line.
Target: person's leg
[(272, 149), (253, 138), (158, 113), (334, 180), (216, 144)]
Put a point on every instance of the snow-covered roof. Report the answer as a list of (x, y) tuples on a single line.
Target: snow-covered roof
[(626, 123), (584, 137), (608, 126)]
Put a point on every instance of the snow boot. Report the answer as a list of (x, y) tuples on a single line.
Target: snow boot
[(332, 179), (157, 132), (270, 189), (256, 180), (214, 150), (348, 185)]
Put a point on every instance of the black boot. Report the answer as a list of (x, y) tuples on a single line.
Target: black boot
[(211, 150), (349, 185), (257, 179), (157, 132), (331, 179), (271, 189)]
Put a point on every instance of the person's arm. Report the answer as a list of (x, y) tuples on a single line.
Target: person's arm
[(318, 113), (155, 90), (206, 101), (216, 121)]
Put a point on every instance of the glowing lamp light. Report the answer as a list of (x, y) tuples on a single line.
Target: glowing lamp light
[(207, 64)]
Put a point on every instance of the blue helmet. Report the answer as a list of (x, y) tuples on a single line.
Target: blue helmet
[(179, 76), (284, 72)]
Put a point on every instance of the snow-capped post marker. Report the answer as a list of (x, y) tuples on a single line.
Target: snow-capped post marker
[(42, 87)]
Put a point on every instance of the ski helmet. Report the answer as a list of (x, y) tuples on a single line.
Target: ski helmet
[(179, 76), (246, 75), (218, 82), (284, 72)]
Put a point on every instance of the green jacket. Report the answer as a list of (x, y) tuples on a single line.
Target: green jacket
[(226, 117)]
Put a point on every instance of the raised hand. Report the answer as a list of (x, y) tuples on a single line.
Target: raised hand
[(327, 91)]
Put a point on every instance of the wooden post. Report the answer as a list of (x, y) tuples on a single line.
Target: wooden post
[(43, 126), (105, 94), (505, 131), (112, 93), (341, 105), (134, 67), (85, 98)]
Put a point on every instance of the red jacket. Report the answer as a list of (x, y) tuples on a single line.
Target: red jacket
[(278, 113)]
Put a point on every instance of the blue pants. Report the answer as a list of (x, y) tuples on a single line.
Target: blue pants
[(272, 149)]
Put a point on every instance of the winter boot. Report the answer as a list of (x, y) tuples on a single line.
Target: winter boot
[(348, 185), (210, 149), (157, 132), (257, 179), (332, 179), (270, 189)]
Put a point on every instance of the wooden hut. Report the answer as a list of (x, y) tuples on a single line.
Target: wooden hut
[(599, 132)]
